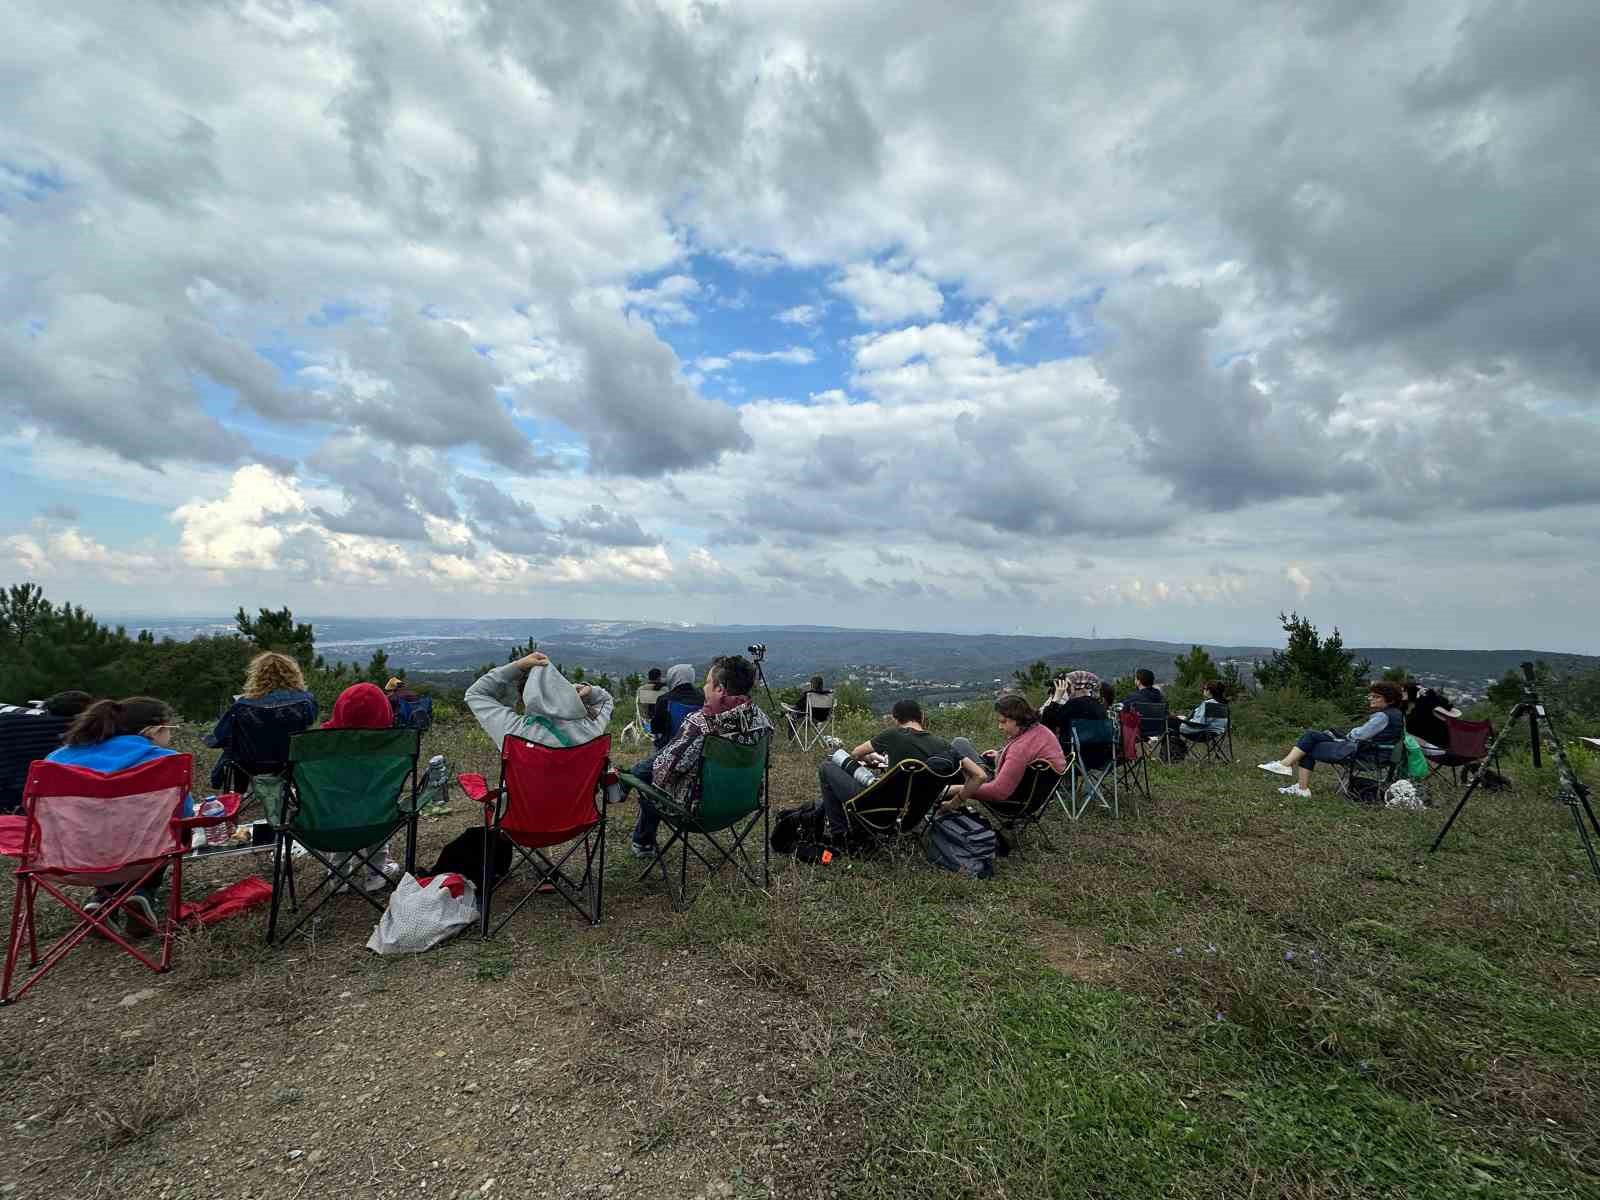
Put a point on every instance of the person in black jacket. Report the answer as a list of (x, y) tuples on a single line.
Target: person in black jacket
[(1147, 692), (28, 733), (1076, 697)]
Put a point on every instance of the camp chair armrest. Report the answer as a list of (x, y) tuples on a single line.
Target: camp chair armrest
[(230, 809), (664, 802)]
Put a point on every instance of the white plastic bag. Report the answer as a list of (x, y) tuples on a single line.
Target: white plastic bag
[(1404, 795), (419, 918)]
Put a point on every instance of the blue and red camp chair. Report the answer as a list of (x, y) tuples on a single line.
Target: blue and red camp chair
[(110, 831)]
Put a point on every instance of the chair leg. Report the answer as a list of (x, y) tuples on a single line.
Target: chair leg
[(23, 903), (487, 882), (278, 885)]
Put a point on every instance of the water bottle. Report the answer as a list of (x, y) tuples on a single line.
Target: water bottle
[(218, 834), (613, 788), (855, 770), (435, 782)]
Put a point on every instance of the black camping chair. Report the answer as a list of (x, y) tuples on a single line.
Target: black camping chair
[(1365, 776), (898, 803), (1025, 808), (258, 742), (1218, 744)]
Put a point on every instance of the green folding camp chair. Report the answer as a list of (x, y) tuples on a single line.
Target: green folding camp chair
[(349, 791), (733, 789)]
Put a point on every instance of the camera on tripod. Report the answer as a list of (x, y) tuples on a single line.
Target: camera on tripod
[(758, 651)]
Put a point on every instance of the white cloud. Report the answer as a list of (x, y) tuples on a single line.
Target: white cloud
[(885, 296), (1340, 288), (807, 315)]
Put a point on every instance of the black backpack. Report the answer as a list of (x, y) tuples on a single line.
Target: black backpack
[(964, 843), (794, 829), (463, 856)]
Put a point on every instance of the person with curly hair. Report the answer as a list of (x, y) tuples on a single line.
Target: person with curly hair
[(1385, 727), (275, 705)]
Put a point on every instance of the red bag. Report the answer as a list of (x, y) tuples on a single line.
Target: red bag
[(250, 892)]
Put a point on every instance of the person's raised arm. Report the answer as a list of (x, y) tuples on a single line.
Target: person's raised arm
[(602, 702), (493, 698)]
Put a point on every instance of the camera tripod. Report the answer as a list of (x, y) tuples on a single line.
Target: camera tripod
[(1572, 791), (758, 652)]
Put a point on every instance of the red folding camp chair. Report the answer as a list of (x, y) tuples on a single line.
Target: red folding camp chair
[(1468, 750), (114, 832), (548, 797), (1133, 756)]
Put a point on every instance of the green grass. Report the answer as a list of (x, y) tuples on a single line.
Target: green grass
[(1229, 994), (1293, 999)]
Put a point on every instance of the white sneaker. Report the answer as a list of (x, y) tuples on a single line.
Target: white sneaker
[(1294, 789), (1276, 767)]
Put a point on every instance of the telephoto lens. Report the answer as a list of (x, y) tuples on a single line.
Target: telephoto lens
[(862, 775)]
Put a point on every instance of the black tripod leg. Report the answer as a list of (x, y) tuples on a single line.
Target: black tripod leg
[(1477, 777), (1583, 831)]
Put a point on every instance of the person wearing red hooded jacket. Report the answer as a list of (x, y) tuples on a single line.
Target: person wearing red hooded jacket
[(364, 706), (361, 706)]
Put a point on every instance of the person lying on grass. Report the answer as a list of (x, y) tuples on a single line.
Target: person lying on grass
[(1384, 727), (1026, 741)]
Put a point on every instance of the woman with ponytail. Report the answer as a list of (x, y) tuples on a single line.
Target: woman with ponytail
[(112, 735)]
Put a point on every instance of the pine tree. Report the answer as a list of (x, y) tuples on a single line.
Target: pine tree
[(277, 630), (1319, 666), (1192, 671)]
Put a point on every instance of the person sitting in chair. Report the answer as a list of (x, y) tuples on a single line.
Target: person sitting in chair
[(111, 736), (1027, 739), (31, 732), (555, 712), (1146, 692), (1197, 724), (797, 710), (728, 713), (274, 689), (1078, 696), (1385, 726), (361, 706), (1426, 709), (682, 690), (907, 739)]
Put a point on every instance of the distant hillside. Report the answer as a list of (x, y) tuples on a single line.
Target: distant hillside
[(886, 660)]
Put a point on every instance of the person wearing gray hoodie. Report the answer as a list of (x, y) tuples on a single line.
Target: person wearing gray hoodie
[(555, 712)]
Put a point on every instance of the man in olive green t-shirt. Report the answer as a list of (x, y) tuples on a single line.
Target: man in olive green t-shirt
[(908, 739)]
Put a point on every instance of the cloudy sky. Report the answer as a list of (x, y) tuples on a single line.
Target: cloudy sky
[(1148, 317)]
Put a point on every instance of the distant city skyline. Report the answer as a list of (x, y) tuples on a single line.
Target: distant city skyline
[(1033, 318)]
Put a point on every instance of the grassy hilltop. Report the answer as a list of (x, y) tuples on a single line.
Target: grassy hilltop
[(1227, 994)]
